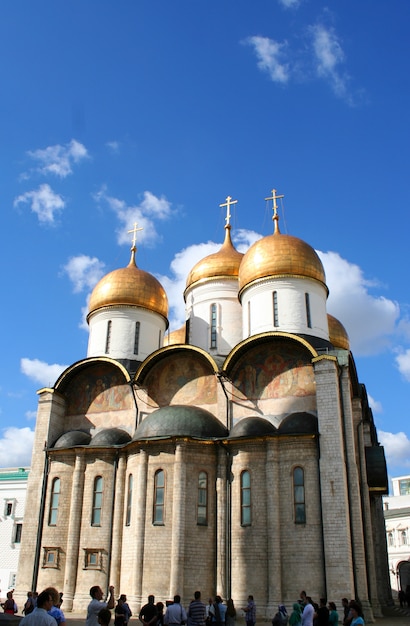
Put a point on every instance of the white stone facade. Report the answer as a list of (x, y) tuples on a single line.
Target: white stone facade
[(397, 518)]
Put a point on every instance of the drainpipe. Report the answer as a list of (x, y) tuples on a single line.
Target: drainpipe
[(40, 520)]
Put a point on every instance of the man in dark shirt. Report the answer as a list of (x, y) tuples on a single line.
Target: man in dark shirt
[(148, 613), (322, 613), (197, 610)]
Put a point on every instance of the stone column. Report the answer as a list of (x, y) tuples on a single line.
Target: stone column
[(74, 531), (139, 512), (118, 523), (337, 541), (176, 579), (272, 482), (221, 530)]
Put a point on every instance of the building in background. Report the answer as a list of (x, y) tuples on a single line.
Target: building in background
[(397, 517), (13, 488), (237, 454)]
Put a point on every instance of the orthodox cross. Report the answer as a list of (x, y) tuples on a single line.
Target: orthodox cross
[(134, 230), (274, 197), (228, 203)]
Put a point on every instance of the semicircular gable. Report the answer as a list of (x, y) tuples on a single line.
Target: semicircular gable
[(272, 368), (179, 375), (299, 424), (96, 391)]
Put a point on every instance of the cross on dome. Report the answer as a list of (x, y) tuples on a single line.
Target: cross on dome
[(275, 217), (228, 203), (134, 230)]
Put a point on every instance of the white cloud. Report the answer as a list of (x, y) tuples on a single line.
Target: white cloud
[(329, 56), (84, 272), (16, 446), (151, 208), (30, 415), (270, 55), (114, 146), (59, 160), (41, 372), (290, 4), (403, 363), (44, 202), (375, 405), (396, 447), (370, 323)]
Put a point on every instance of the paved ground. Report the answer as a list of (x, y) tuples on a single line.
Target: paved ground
[(393, 616)]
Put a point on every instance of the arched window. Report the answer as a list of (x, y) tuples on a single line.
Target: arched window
[(97, 502), (54, 498), (403, 536), (245, 498), (108, 337), (202, 515), (159, 497), (299, 495), (213, 326), (390, 539), (129, 500), (275, 309), (136, 337), (308, 317)]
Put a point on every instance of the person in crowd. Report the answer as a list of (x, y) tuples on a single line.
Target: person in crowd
[(218, 612), (97, 604), (250, 611), (308, 612), (356, 612), (197, 611), (9, 606), (175, 615), (40, 616), (104, 617), (160, 613), (346, 612), (230, 616), (322, 613), (295, 618), (208, 611), (55, 611), (333, 614), (148, 613), (281, 616), (128, 612), (119, 613), (29, 603)]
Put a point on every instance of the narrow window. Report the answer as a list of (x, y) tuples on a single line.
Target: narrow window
[(275, 309), (108, 337), (308, 318), (129, 501), (299, 495), (390, 539), (202, 515), (404, 537), (137, 337), (213, 325), (17, 533), (249, 319), (97, 502), (245, 499), (159, 339), (159, 497), (54, 498), (9, 509)]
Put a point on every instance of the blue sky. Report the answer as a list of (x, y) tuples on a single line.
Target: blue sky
[(155, 111)]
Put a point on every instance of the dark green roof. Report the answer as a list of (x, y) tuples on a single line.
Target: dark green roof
[(182, 421)]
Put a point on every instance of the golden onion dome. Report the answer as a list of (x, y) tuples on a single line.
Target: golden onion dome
[(129, 286), (222, 264), (176, 336), (337, 333), (280, 255)]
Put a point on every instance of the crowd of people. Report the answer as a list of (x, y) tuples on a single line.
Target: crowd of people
[(44, 609)]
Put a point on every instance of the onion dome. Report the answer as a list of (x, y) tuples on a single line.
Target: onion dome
[(180, 421), (280, 255), (129, 286), (222, 264), (110, 437), (73, 438), (176, 336), (337, 333), (252, 427)]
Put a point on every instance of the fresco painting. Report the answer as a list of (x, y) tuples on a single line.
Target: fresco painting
[(98, 390), (183, 380), (274, 373)]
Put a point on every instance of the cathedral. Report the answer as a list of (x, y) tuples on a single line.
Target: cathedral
[(236, 455)]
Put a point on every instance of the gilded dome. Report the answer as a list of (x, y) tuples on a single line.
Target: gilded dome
[(223, 264), (129, 286), (337, 333), (280, 255), (175, 337)]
